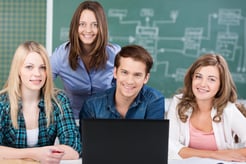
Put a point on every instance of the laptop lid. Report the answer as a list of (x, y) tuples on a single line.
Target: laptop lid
[(121, 141)]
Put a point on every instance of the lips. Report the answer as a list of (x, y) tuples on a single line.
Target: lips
[(36, 81), (201, 90)]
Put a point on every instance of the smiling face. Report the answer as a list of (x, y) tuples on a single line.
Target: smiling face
[(88, 27), (130, 78), (206, 83), (33, 72)]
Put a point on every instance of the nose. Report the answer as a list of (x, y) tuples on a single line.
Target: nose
[(88, 28), (130, 79), (36, 72), (203, 82)]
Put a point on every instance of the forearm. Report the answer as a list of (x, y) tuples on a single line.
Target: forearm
[(242, 151), (235, 155), (16, 153), (187, 152)]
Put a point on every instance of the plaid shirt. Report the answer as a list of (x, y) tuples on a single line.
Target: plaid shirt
[(63, 125)]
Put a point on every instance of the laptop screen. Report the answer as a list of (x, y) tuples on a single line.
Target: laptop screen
[(124, 141)]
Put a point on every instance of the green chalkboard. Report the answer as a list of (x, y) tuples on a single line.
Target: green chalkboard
[(19, 21), (175, 32)]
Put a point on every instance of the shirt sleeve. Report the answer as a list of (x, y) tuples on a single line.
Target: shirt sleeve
[(68, 132), (174, 131), (1, 123), (236, 120), (57, 57)]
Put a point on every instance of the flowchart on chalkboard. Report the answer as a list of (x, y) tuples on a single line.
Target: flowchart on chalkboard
[(177, 32)]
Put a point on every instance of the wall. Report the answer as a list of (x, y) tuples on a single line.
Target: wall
[(19, 21)]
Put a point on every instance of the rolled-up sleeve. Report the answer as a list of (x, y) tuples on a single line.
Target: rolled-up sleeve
[(68, 132)]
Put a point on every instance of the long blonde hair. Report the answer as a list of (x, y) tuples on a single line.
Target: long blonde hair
[(227, 91), (13, 84)]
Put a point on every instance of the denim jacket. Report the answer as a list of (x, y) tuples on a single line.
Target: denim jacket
[(149, 104)]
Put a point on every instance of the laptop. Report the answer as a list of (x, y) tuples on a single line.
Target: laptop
[(124, 141)]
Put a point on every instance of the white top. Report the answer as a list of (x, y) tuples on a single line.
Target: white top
[(32, 137), (232, 123)]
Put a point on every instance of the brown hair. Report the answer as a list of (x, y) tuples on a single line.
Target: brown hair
[(98, 53), (227, 91), (136, 52)]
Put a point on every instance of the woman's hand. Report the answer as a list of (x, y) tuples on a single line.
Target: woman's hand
[(49, 155)]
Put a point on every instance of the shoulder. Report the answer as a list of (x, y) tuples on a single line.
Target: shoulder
[(177, 97), (62, 49), (113, 48), (230, 108), (148, 91), (4, 102), (175, 100), (60, 95), (3, 97), (101, 96)]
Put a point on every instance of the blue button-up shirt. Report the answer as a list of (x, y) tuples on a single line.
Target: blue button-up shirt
[(149, 104), (80, 84), (63, 125)]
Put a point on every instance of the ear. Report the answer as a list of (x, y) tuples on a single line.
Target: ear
[(147, 78), (115, 72)]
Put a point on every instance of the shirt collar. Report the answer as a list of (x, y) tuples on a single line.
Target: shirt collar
[(111, 98)]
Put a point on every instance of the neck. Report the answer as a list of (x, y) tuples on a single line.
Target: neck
[(30, 97), (122, 104), (204, 106), (87, 49)]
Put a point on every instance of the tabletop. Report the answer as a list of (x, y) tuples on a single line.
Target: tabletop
[(194, 160)]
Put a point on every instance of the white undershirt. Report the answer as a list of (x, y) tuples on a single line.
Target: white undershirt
[(32, 137)]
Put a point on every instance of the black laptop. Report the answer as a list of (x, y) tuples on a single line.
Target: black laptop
[(121, 141)]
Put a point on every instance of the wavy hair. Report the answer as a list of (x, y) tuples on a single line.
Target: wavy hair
[(13, 84), (98, 53), (227, 90)]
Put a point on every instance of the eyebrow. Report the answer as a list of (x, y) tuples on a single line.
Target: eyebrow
[(208, 75)]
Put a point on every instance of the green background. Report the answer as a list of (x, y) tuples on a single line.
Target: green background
[(175, 32), (20, 20)]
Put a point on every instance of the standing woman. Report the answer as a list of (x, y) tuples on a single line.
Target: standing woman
[(85, 63), (204, 118), (33, 114)]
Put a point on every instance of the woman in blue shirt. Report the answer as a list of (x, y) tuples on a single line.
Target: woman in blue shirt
[(33, 114), (85, 63)]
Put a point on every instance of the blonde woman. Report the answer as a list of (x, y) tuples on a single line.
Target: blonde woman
[(33, 113)]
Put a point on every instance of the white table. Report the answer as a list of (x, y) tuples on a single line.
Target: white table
[(183, 161), (196, 160)]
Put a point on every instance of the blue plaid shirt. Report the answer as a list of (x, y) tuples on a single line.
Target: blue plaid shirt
[(63, 125)]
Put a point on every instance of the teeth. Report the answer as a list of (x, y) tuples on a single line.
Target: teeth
[(202, 90)]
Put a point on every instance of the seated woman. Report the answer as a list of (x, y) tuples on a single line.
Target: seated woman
[(33, 113), (204, 118)]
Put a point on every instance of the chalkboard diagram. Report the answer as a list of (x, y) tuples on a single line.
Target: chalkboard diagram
[(174, 32), (173, 54)]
